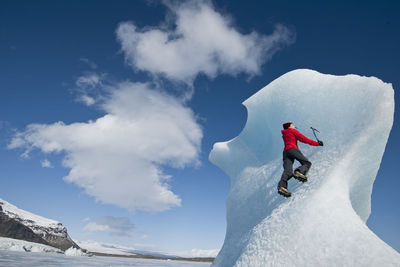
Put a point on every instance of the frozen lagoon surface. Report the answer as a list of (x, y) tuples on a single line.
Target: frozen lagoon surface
[(19, 259), (324, 222)]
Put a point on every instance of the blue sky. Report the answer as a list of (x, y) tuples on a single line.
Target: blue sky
[(75, 62)]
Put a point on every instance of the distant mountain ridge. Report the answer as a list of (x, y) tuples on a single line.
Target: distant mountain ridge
[(20, 224)]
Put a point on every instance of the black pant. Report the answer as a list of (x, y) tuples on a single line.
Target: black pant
[(288, 159)]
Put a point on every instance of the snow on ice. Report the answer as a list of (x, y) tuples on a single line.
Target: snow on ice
[(25, 246), (323, 223)]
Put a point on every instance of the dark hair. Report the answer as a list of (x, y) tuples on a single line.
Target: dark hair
[(287, 125)]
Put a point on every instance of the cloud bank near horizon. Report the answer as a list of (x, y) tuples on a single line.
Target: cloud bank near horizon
[(120, 226)]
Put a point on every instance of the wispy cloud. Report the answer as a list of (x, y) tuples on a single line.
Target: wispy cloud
[(199, 40), (118, 158), (89, 87), (90, 63), (46, 163), (120, 226)]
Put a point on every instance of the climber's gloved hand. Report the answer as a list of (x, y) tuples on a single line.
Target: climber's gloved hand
[(321, 143)]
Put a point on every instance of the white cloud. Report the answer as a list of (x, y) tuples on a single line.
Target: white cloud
[(86, 99), (87, 219), (46, 163), (118, 158), (90, 63), (94, 227), (203, 41), (111, 225), (89, 81), (88, 88)]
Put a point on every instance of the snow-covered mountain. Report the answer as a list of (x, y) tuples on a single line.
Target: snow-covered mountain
[(115, 249), (24, 231), (20, 224), (106, 248)]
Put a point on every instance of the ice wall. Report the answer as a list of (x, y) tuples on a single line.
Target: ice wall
[(323, 223)]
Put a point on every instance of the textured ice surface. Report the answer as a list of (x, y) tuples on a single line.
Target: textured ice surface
[(75, 252), (323, 223), (23, 259), (25, 246)]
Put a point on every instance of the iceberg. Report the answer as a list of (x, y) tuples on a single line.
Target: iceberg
[(324, 222), (76, 252)]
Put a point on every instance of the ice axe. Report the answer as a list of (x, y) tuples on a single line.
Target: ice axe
[(315, 130)]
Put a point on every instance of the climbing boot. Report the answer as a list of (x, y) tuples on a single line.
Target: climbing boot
[(284, 192), (299, 176)]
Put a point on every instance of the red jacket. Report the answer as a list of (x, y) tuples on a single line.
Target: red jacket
[(290, 137)]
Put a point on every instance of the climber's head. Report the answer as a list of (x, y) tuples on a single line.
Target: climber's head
[(288, 125)]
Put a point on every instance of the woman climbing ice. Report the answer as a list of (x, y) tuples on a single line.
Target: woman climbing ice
[(291, 152)]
